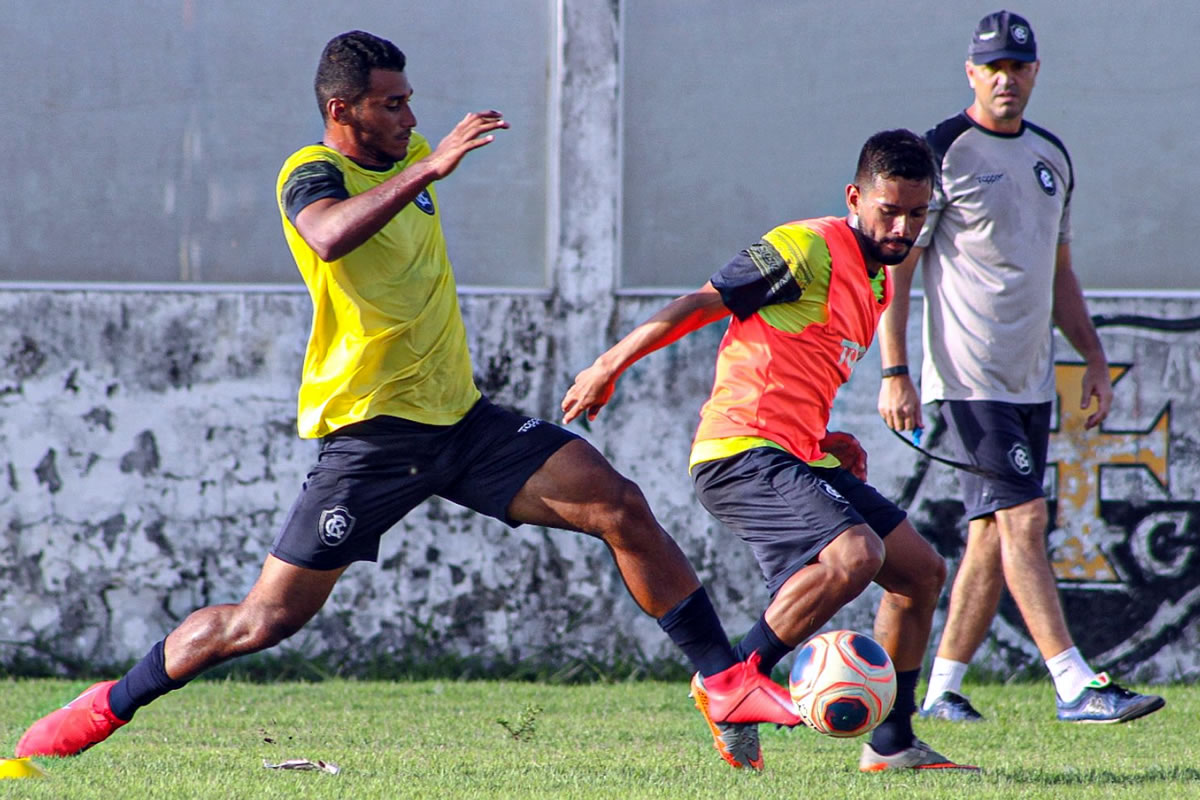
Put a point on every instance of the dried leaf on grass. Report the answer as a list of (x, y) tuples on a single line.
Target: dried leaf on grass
[(305, 764)]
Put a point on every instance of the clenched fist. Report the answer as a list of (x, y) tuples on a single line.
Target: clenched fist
[(846, 449)]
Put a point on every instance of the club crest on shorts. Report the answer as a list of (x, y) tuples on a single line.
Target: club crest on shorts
[(1045, 178), (335, 525), (832, 492), (1018, 456), (424, 202)]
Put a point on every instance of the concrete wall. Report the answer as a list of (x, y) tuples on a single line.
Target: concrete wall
[(148, 449), (149, 456), (145, 138), (740, 114)]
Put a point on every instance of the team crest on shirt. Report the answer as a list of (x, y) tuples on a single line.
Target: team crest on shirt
[(424, 202), (335, 525), (1018, 456), (1045, 178)]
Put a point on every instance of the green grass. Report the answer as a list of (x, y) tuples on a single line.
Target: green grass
[(612, 740)]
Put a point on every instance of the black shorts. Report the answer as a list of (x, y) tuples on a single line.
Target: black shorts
[(370, 474), (1010, 440), (786, 510)]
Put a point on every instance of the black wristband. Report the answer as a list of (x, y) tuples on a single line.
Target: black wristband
[(892, 372)]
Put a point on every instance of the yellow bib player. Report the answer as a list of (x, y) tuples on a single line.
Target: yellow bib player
[(387, 388), (386, 337)]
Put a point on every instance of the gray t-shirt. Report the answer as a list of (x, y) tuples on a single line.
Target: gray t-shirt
[(1001, 206)]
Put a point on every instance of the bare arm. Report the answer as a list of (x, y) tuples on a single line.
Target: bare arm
[(1072, 318), (594, 386), (333, 228), (899, 403)]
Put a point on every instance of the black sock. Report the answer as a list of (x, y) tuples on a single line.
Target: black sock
[(695, 629), (895, 733), (762, 639), (147, 681)]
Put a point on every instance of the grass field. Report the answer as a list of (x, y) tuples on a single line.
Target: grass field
[(433, 739)]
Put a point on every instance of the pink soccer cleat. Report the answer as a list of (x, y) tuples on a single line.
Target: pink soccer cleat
[(81, 723)]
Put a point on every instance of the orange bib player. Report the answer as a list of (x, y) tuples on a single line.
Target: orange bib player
[(805, 302)]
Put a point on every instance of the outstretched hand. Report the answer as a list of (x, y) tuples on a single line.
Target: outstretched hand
[(591, 391), (846, 449), (465, 137)]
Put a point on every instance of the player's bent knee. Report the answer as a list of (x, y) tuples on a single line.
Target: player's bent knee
[(940, 572), (923, 582), (624, 516), (929, 580), (847, 580), (868, 563), (868, 549), (853, 561)]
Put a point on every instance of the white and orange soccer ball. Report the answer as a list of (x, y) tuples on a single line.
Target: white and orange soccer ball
[(843, 683)]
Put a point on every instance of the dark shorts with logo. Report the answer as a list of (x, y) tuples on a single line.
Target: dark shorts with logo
[(370, 474), (1008, 439), (786, 510)]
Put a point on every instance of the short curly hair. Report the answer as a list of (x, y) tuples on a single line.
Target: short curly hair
[(344, 70), (898, 153)]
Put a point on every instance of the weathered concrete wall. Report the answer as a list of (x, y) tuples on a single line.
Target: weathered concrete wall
[(149, 455), (722, 130)]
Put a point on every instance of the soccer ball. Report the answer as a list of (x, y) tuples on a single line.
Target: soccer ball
[(843, 683)]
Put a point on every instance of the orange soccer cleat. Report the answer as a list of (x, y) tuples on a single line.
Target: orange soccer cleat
[(733, 702)]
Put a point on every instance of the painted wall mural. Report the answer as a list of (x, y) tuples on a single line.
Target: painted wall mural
[(1124, 534)]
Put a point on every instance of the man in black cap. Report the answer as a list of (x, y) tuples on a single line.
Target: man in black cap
[(997, 272)]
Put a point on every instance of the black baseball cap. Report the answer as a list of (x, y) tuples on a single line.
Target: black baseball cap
[(1002, 34)]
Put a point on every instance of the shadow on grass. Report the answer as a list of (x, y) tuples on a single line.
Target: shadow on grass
[(550, 669), (297, 662), (1097, 776)]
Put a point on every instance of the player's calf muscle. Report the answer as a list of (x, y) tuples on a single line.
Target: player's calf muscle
[(216, 634)]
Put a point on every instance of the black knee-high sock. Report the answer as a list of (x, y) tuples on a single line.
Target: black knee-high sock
[(146, 682), (762, 639), (695, 629), (895, 733)]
